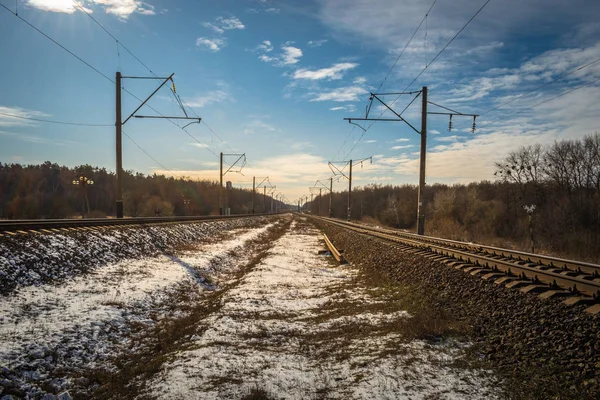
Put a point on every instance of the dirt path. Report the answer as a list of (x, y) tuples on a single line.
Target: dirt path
[(297, 326)]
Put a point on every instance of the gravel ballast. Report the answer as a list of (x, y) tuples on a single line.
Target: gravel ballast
[(542, 348), (39, 258)]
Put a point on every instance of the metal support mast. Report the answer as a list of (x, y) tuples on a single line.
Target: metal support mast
[(119, 128), (422, 132)]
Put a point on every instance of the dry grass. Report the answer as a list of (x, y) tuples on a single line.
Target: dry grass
[(159, 342)]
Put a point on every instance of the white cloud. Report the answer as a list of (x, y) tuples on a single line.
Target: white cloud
[(348, 93), (230, 23), (215, 44), (16, 116), (402, 140), (219, 95), (407, 146), (333, 72), (265, 46), (371, 141), (213, 27), (60, 6), (257, 125), (360, 80), (349, 108), (272, 10), (316, 43), (291, 55)]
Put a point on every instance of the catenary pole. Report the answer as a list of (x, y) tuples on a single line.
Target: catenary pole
[(420, 197)]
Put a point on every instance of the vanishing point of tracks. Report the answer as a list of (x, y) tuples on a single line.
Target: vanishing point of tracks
[(531, 273)]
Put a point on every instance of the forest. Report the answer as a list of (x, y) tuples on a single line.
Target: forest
[(52, 191), (559, 185), (549, 194)]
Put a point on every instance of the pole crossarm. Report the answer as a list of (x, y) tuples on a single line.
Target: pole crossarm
[(263, 181), (236, 161), (451, 114), (340, 172), (148, 98), (322, 184)]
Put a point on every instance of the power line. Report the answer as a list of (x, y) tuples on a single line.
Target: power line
[(406, 46), (58, 44), (52, 122), (385, 79), (543, 102), (145, 152), (153, 73), (112, 36), (539, 87), (422, 71), (102, 74), (447, 44)]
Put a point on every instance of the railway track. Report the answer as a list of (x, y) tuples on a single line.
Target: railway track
[(12, 227), (548, 276)]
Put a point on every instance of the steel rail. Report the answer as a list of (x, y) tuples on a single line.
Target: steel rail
[(573, 280), (33, 224), (543, 260)]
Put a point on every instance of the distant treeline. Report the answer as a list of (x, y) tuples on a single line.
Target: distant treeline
[(561, 180), (47, 191)]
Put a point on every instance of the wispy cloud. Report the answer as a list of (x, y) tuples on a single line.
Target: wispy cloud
[(230, 23), (121, 8), (334, 72), (289, 54), (7, 119), (348, 93), (214, 44), (316, 43), (213, 27), (257, 125), (402, 140), (407, 146), (219, 95)]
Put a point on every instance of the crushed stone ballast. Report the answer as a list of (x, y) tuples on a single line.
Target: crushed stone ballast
[(531, 273)]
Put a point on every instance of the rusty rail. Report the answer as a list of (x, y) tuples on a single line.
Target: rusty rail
[(334, 251), (554, 273)]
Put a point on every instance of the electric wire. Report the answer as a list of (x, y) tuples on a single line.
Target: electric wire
[(422, 71), (577, 69), (387, 75), (58, 44), (179, 100), (145, 152), (542, 102), (54, 122)]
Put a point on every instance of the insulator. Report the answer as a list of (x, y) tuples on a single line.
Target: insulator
[(474, 124), (450, 124), (174, 90)]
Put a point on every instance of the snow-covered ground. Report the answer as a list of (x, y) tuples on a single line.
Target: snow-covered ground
[(84, 321), (286, 321), (273, 333)]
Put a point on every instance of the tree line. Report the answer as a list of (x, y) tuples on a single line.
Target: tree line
[(48, 191), (561, 180)]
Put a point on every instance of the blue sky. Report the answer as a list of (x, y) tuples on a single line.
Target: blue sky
[(273, 79)]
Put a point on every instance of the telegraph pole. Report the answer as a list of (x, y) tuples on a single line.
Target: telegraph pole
[(333, 169), (253, 192), (221, 184), (350, 192), (119, 127), (119, 150), (422, 132), (221, 174), (330, 194), (420, 199)]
